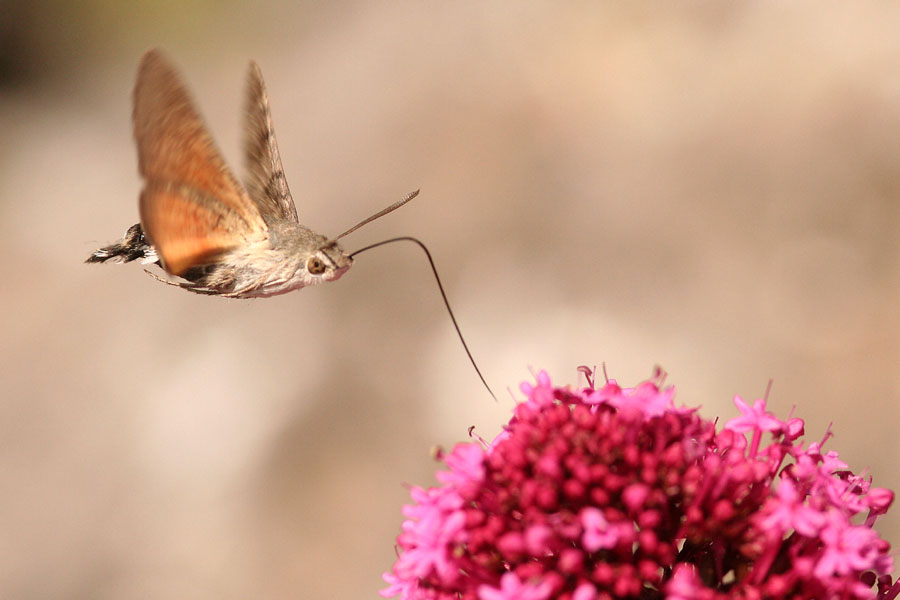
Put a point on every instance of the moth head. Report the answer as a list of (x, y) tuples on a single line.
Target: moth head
[(328, 262)]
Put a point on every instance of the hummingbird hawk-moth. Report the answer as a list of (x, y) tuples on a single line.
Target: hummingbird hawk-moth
[(196, 219), (199, 223)]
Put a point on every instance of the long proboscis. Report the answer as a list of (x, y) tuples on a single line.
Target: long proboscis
[(440, 287)]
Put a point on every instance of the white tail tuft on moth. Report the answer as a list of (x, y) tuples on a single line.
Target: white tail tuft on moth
[(199, 223)]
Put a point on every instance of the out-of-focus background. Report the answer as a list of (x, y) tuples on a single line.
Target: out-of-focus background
[(709, 187)]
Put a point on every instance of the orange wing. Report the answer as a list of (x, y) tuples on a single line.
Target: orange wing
[(186, 228), (192, 207)]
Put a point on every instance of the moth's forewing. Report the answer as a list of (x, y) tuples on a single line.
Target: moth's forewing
[(192, 207), (265, 178), (188, 229)]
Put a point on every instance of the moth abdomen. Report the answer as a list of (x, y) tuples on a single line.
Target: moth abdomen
[(132, 246)]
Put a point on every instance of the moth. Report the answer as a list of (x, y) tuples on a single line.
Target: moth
[(197, 221), (200, 224)]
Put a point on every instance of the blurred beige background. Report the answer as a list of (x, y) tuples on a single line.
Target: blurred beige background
[(712, 187)]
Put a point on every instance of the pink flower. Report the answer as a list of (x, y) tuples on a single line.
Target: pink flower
[(786, 511), (402, 586), (511, 588), (540, 394), (598, 534), (435, 526), (466, 463), (600, 494), (753, 418), (646, 398), (585, 591), (685, 584), (848, 548)]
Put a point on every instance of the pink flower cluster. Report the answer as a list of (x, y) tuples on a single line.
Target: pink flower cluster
[(603, 493)]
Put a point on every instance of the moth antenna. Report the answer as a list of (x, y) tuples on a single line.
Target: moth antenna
[(377, 215), (436, 278)]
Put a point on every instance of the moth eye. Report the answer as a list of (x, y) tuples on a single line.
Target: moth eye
[(315, 266)]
